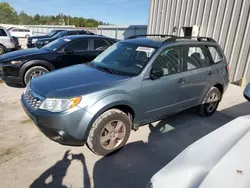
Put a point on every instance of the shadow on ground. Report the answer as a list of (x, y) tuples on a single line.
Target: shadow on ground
[(135, 164)]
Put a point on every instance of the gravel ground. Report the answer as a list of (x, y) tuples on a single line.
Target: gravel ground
[(29, 159)]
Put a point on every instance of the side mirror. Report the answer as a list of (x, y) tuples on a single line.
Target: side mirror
[(68, 51), (156, 73)]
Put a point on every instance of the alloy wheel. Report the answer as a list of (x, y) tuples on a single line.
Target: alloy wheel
[(212, 102), (112, 134)]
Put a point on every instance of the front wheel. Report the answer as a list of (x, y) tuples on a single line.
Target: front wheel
[(210, 103), (34, 72), (109, 132)]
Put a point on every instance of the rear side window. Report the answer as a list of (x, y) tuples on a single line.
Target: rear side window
[(79, 45), (100, 44), (170, 60), (2, 33), (216, 56), (197, 58)]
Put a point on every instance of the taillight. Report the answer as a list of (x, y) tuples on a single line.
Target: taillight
[(227, 67)]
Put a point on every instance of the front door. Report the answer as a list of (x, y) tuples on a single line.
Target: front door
[(160, 97)]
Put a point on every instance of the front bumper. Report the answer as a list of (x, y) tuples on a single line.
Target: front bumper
[(67, 128), (10, 75)]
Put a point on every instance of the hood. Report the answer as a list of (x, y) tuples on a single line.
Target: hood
[(74, 81), (20, 53), (37, 37)]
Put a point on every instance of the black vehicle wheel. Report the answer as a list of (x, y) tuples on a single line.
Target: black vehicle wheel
[(2, 49), (27, 36), (34, 72), (210, 103), (109, 132)]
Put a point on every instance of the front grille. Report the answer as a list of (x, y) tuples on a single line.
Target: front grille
[(32, 99)]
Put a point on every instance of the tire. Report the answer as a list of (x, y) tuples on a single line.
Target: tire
[(27, 36), (103, 128), (34, 72), (207, 108), (2, 49)]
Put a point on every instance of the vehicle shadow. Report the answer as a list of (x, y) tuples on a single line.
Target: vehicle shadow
[(137, 162)]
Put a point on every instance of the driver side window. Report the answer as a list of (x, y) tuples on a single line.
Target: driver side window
[(170, 61), (80, 45)]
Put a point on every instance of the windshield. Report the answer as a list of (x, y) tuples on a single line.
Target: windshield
[(56, 44), (124, 58), (51, 33), (59, 35)]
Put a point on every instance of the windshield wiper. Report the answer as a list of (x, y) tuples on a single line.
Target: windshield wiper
[(105, 69)]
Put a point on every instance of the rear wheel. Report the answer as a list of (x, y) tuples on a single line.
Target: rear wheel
[(27, 36), (2, 49), (211, 102), (109, 132), (34, 72)]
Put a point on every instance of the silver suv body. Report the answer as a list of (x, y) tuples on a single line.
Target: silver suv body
[(132, 83), (6, 41)]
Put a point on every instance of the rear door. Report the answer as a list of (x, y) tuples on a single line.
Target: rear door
[(78, 53), (199, 75)]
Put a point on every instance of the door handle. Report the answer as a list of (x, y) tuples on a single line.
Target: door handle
[(181, 81)]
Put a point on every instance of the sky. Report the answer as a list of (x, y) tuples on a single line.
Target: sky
[(122, 12)]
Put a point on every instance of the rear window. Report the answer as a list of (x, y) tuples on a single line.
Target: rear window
[(216, 56), (2, 33)]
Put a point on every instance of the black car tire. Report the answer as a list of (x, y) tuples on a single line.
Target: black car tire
[(27, 36), (94, 138), (2, 49), (204, 109), (30, 71)]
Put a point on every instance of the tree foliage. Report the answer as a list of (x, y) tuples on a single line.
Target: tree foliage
[(8, 15)]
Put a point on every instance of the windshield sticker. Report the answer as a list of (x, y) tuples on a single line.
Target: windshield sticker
[(145, 49), (67, 40)]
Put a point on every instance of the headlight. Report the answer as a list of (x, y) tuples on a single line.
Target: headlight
[(15, 62), (59, 105), (34, 41)]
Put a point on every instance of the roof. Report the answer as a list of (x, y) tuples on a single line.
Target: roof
[(157, 40), (75, 37)]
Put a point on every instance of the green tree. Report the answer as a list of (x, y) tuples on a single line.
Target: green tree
[(8, 15), (25, 19)]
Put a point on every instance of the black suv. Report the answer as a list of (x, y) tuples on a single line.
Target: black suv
[(31, 42), (42, 42), (19, 67)]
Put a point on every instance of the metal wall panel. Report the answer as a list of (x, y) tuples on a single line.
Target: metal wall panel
[(227, 21)]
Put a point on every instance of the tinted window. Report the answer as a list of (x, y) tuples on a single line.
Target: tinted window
[(2, 33), (78, 45), (197, 58), (100, 44), (216, 56), (170, 60), (72, 33), (15, 30), (26, 30)]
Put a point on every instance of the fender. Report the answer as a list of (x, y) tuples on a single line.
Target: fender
[(32, 63), (109, 102)]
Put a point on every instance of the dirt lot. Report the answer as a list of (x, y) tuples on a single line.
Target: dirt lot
[(29, 159)]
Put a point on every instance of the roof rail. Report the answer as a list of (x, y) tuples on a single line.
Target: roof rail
[(173, 39), (151, 35)]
